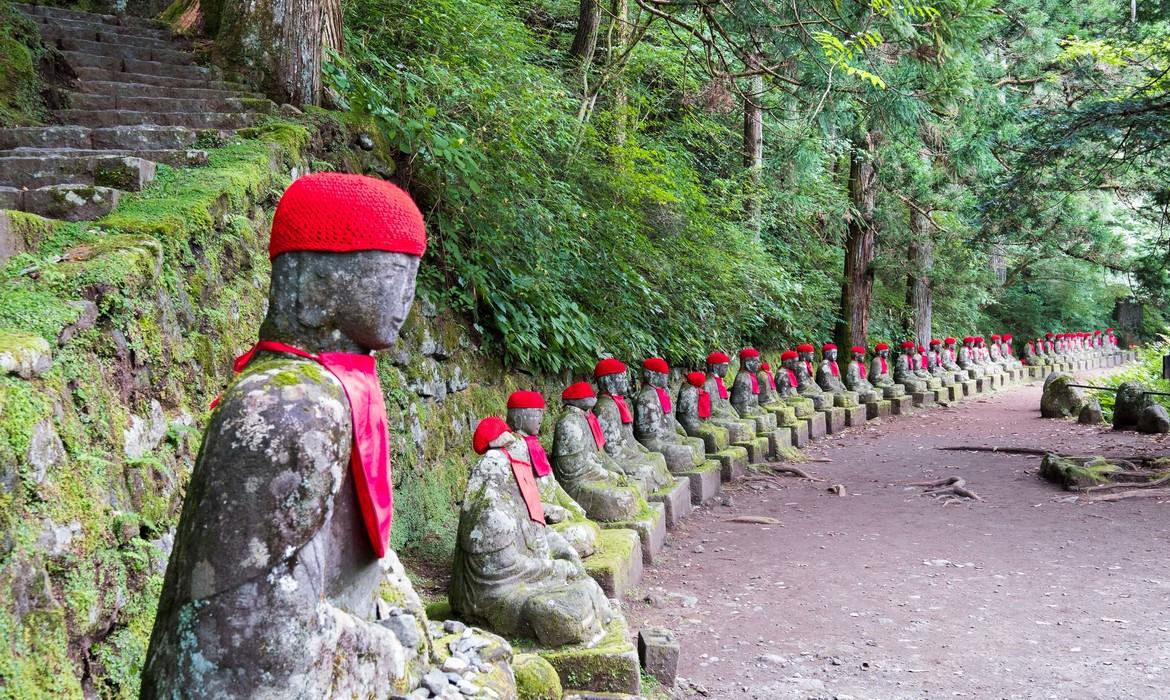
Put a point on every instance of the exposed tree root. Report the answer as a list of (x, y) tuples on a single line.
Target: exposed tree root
[(778, 468), (952, 486), (837, 490), (1132, 481), (1004, 450), (1133, 493), (753, 519)]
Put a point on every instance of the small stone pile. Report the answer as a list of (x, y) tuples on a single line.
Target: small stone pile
[(458, 674)]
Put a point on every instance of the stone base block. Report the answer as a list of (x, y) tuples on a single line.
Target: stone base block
[(705, 481), (982, 385), (757, 448), (940, 394), (714, 437), (616, 566), (676, 500), (846, 399), (800, 434), (651, 529), (901, 405), (878, 409), (954, 392), (834, 420), (923, 399), (855, 416), (658, 651), (732, 462), (970, 388), (610, 666), (779, 442), (804, 407), (1035, 372), (816, 426), (821, 401)]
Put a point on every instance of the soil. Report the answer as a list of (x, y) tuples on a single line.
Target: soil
[(885, 593)]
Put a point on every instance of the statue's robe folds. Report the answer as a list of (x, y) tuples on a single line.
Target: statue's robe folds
[(647, 468), (589, 475), (658, 431)]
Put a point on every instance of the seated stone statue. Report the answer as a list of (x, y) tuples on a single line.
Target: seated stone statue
[(906, 369), (1007, 352), (773, 388), (583, 467), (272, 587), (655, 425), (967, 361), (646, 468), (995, 355), (566, 516), (806, 384), (949, 360), (693, 406), (857, 378), (723, 413), (745, 392), (1032, 357), (934, 363), (879, 373), (829, 378), (922, 368), (512, 573)]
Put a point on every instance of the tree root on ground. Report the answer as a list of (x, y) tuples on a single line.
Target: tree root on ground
[(753, 519), (779, 468), (837, 490), (1123, 495), (952, 487), (1131, 481), (1004, 450)]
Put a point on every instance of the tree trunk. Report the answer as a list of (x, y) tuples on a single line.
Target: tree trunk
[(919, 292), (753, 151), (857, 285), (585, 43), (621, 38)]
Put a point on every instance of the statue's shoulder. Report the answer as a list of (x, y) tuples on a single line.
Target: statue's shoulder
[(284, 384), (492, 468), (569, 434)]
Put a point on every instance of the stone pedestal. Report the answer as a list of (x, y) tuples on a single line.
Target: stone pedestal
[(800, 433), (803, 407), (878, 409), (779, 440), (714, 438), (923, 399), (970, 388), (940, 394), (845, 399), (705, 481), (732, 463), (1035, 372), (954, 392), (675, 499), (616, 566), (651, 529), (658, 651), (610, 666), (816, 425), (834, 420), (757, 448), (982, 385), (901, 405), (855, 416), (821, 401)]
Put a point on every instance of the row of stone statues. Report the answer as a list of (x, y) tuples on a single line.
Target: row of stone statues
[(1059, 347)]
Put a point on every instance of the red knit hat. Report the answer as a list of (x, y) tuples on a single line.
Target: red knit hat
[(656, 364), (858, 348), (765, 366), (995, 336), (921, 348), (608, 366), (827, 347), (907, 344), (345, 213), (696, 378), (579, 390), (968, 339), (949, 340), (526, 399), (1048, 335), (748, 353), (881, 346), (1108, 330), (787, 355), (935, 341), (488, 429), (1007, 336), (718, 358), (1096, 332), (805, 347)]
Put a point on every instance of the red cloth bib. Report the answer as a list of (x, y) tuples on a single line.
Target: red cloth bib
[(595, 427), (538, 456), (721, 387), (834, 369), (861, 368), (704, 405), (755, 382), (771, 379), (623, 409), (370, 457), (522, 471), (885, 367), (791, 377), (809, 367), (663, 399)]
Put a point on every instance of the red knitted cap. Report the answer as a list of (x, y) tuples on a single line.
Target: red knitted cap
[(696, 378), (995, 336), (907, 343), (935, 341), (656, 364), (828, 346), (1108, 330), (580, 390), (526, 399), (346, 213), (787, 355), (1096, 332), (765, 366), (608, 366), (949, 340), (1048, 335), (718, 358), (1007, 336), (488, 429), (921, 348), (881, 346), (858, 348), (805, 347), (748, 353)]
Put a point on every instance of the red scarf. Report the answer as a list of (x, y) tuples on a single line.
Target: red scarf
[(704, 405), (623, 409), (721, 387), (808, 366), (595, 427), (522, 471), (910, 362), (791, 377), (771, 379), (834, 369), (1009, 350), (1031, 348), (663, 399), (951, 354), (885, 367), (538, 456), (370, 456), (925, 361), (861, 368), (755, 382)]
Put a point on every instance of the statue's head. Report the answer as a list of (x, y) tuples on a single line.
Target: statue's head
[(949, 341), (718, 363), (806, 350), (491, 433), (968, 342), (580, 395), (909, 348), (345, 251), (655, 371), (882, 350), (935, 345), (788, 359), (750, 359), (611, 376), (829, 352), (525, 411), (858, 353)]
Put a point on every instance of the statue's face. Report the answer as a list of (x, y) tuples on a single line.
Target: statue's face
[(752, 364), (806, 355), (525, 420), (883, 353), (719, 370), (858, 356), (614, 383), (654, 378), (790, 363), (831, 355), (585, 404)]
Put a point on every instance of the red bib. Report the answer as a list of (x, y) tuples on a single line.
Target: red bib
[(663, 399), (771, 379), (755, 382), (834, 369), (704, 405), (791, 377), (861, 368), (808, 366), (370, 457), (623, 409), (595, 427), (538, 456), (522, 471), (721, 387), (885, 367)]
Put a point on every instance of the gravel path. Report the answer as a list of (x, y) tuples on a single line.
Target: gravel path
[(888, 594)]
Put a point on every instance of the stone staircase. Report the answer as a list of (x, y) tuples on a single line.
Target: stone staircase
[(139, 99)]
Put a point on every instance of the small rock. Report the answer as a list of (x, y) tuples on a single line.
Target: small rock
[(453, 627), (698, 549), (728, 501), (86, 318), (1154, 419), (364, 142), (404, 626), (435, 681), (1091, 414), (45, 450), (25, 355), (772, 660), (454, 664)]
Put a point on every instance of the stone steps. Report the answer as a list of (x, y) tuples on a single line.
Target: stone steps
[(121, 117), (47, 13), (138, 103), (132, 89), (32, 172), (134, 51), (139, 137), (179, 158), (88, 73), (118, 64), (84, 31)]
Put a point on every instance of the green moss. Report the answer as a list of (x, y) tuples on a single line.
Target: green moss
[(33, 659), (20, 85), (609, 665), (536, 679)]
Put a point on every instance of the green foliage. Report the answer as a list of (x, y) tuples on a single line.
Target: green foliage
[(20, 85)]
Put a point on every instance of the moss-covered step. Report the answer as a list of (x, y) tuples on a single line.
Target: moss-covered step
[(651, 528), (705, 481), (803, 407), (821, 401), (817, 425), (855, 416), (845, 399), (799, 433), (733, 462), (715, 438), (779, 440), (676, 499), (616, 566), (757, 448), (901, 405), (882, 408), (785, 413), (834, 420), (536, 679), (610, 665)]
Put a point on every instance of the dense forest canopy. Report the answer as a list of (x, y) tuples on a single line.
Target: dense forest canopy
[(659, 176)]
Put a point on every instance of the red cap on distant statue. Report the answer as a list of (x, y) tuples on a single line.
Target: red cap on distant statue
[(881, 346), (748, 353), (718, 358), (608, 366), (526, 399), (858, 348), (579, 390), (696, 378), (805, 347), (488, 429), (788, 355), (907, 344), (827, 347), (656, 364)]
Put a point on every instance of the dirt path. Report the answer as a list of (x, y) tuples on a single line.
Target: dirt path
[(888, 594)]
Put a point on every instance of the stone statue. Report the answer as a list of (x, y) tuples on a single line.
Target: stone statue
[(806, 384), (723, 413), (1007, 353), (922, 368), (935, 365), (693, 406), (745, 392), (857, 378), (647, 468), (566, 516), (773, 388), (272, 587), (583, 467), (512, 573), (829, 378), (879, 373), (906, 369), (655, 425), (967, 359)]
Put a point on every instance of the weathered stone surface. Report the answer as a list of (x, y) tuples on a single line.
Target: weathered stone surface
[(901, 405), (632, 457), (705, 481), (676, 499), (1154, 419), (536, 679), (144, 434), (856, 416), (610, 665), (834, 420), (757, 448), (1128, 406), (816, 426), (587, 473), (878, 409), (616, 566), (27, 356), (658, 651), (45, 450), (733, 463), (800, 433), (1091, 414)]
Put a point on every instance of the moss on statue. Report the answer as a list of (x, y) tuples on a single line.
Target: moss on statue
[(536, 679), (611, 664)]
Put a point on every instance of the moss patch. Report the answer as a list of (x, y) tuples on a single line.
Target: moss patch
[(610, 665), (536, 679), (20, 85)]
